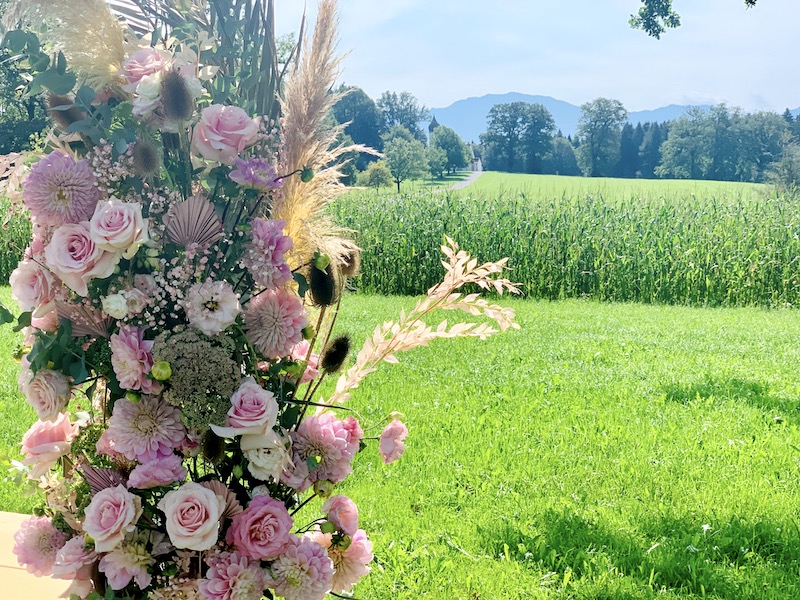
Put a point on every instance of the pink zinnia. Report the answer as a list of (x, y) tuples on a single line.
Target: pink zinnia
[(145, 430), (233, 576), (36, 545), (274, 321), (60, 190), (391, 444), (303, 572), (155, 473), (350, 563), (264, 253), (330, 443), (132, 359), (262, 530)]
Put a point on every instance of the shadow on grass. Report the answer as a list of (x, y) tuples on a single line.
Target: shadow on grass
[(754, 393), (739, 559)]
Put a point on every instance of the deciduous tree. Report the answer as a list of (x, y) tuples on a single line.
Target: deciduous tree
[(599, 135), (456, 150)]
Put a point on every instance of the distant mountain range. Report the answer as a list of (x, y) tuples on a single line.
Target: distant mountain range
[(468, 117)]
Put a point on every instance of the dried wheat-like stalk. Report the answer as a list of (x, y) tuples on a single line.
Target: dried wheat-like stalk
[(86, 31), (411, 331), (310, 141)]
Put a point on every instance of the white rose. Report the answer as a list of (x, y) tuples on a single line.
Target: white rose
[(118, 226), (115, 306), (192, 516), (148, 95), (48, 393), (267, 455)]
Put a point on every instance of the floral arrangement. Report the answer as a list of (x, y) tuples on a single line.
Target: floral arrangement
[(179, 301)]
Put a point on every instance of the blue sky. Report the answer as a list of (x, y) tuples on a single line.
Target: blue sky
[(575, 50)]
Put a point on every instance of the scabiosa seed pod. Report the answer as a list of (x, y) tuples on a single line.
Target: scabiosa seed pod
[(63, 111), (213, 447), (325, 285), (334, 356), (146, 161), (175, 97)]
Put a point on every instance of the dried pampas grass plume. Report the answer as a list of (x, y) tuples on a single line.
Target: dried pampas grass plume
[(86, 31), (310, 141)]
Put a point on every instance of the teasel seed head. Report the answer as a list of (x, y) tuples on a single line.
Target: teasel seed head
[(351, 260), (175, 97), (335, 354), (63, 117), (325, 285), (146, 161)]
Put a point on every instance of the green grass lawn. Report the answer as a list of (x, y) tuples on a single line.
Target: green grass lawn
[(546, 187), (604, 451), (410, 186)]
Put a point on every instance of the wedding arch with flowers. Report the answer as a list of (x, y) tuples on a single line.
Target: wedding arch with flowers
[(179, 300)]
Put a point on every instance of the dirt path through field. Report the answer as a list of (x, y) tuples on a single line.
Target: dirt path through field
[(465, 182)]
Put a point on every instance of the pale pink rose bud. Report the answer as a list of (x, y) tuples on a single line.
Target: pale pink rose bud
[(342, 512), (76, 258), (33, 287), (48, 393), (192, 516), (140, 64), (110, 516), (45, 442), (118, 227), (391, 442)]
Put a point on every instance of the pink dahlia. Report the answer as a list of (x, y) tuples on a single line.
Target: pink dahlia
[(132, 359), (45, 442), (155, 473), (233, 576), (391, 444), (61, 190), (128, 562), (262, 530), (36, 545), (255, 173), (323, 448), (274, 321), (350, 560), (145, 430), (264, 253), (303, 572)]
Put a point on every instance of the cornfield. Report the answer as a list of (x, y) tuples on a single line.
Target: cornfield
[(737, 249)]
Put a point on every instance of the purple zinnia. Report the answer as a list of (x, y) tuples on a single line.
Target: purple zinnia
[(264, 253), (255, 173), (61, 190), (145, 430)]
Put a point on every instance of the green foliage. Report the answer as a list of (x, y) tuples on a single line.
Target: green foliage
[(364, 121), (437, 160), (15, 232), (599, 131), (656, 16), (376, 176), (457, 153), (517, 137), (402, 110), (728, 249), (406, 157)]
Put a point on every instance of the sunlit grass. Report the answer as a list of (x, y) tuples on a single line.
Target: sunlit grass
[(603, 451)]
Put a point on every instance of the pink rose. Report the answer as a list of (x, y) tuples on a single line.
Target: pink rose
[(223, 132), (342, 512), (253, 410), (33, 287), (161, 471), (141, 63), (391, 444), (73, 561), (118, 227), (46, 442), (112, 513), (262, 530), (48, 393), (299, 353), (76, 259), (192, 516)]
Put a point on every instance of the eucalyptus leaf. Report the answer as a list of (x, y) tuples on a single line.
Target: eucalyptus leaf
[(5, 315), (55, 82)]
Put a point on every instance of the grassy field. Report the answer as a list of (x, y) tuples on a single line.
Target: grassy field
[(604, 451), (670, 242), (546, 187)]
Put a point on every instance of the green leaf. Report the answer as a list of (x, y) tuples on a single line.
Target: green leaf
[(61, 64), (302, 284), (78, 371), (55, 82), (15, 40), (85, 96), (5, 315), (24, 320)]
